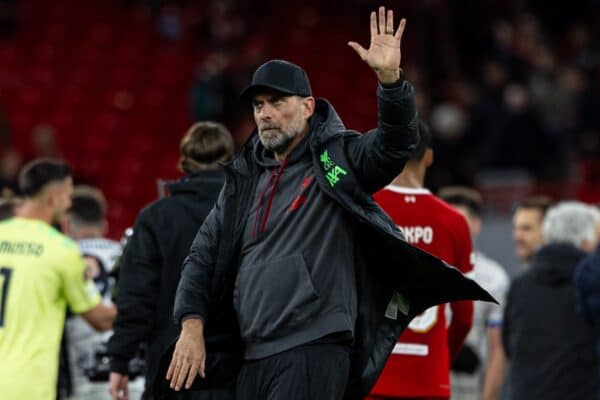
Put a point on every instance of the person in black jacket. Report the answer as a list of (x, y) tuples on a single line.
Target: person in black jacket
[(150, 267), (296, 262), (550, 347)]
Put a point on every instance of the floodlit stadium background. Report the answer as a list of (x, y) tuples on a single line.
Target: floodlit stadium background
[(510, 88)]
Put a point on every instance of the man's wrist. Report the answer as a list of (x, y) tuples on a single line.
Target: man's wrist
[(389, 77), (192, 321)]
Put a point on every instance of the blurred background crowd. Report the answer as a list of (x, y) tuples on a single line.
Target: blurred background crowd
[(509, 89)]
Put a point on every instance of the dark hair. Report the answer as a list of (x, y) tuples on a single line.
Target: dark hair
[(205, 143), (7, 207), (463, 196), (540, 203), (39, 173), (424, 142), (88, 205)]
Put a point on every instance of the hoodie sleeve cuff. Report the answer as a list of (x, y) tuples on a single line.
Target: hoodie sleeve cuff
[(119, 365), (185, 317), (394, 85)]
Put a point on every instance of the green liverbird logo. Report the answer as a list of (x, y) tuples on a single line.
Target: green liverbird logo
[(332, 170)]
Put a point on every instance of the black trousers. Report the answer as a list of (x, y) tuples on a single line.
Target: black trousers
[(310, 372)]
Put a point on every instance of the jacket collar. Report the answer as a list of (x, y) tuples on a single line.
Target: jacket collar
[(555, 263), (196, 182)]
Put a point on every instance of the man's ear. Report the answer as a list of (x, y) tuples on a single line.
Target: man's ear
[(428, 157), (50, 195), (308, 107)]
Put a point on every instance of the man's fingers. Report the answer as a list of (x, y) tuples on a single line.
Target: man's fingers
[(171, 367), (362, 53), (390, 22), (124, 387), (191, 376), (400, 30), (183, 372), (373, 24), (120, 391), (176, 371), (381, 20), (203, 367)]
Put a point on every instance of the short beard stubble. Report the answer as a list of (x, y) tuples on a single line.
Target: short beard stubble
[(281, 140)]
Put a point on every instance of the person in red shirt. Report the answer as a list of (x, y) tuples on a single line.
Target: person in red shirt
[(419, 366)]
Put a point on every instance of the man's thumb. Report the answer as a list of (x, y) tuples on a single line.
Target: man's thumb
[(359, 50)]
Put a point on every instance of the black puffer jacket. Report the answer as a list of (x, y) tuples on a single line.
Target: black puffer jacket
[(550, 347), (151, 268), (395, 280)]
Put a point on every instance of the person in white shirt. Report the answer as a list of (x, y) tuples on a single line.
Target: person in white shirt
[(85, 222), (479, 371)]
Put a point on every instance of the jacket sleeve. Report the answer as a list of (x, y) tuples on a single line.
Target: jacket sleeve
[(379, 156), (137, 297), (193, 291), (506, 323)]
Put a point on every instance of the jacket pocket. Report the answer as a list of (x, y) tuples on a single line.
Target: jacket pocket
[(273, 298)]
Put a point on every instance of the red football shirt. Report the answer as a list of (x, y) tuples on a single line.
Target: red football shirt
[(420, 363)]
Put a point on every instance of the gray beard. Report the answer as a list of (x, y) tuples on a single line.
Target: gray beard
[(278, 144)]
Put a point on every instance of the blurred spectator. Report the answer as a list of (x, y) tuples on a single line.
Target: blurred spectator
[(151, 263), (587, 286), (530, 146), (169, 22), (478, 372), (550, 347), (223, 27), (85, 222), (10, 165), (212, 93), (5, 131), (9, 205), (527, 226), (44, 142)]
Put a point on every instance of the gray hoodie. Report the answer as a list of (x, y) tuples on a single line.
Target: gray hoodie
[(296, 281)]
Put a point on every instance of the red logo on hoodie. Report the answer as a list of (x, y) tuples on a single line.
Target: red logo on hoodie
[(301, 198)]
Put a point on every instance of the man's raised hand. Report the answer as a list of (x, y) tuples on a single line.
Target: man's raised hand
[(383, 54)]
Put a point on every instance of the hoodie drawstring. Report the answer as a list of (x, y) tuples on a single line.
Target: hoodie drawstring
[(275, 182)]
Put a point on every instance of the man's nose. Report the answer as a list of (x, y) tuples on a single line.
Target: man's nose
[(264, 113)]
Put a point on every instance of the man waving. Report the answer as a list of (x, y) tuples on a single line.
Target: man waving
[(296, 264)]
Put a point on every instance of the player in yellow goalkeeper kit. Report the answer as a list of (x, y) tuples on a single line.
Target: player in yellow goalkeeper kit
[(41, 273)]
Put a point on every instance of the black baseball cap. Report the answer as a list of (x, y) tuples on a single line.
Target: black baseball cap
[(279, 75)]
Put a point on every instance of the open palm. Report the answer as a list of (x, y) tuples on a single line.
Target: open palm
[(383, 55)]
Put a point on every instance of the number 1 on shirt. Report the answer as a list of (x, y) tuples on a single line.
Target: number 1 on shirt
[(6, 273)]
